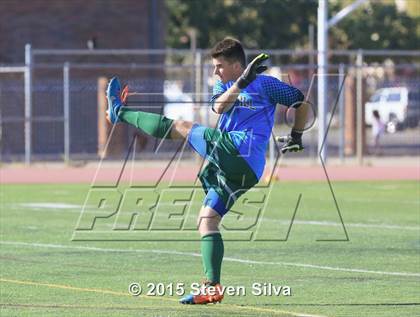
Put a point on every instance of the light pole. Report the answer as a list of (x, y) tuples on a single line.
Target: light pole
[(323, 25), (322, 80)]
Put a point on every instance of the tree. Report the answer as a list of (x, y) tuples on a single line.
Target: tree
[(376, 25), (284, 24), (257, 23)]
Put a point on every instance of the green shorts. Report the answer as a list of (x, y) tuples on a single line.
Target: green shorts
[(227, 175)]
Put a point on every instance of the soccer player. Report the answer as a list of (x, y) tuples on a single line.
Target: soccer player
[(235, 149)]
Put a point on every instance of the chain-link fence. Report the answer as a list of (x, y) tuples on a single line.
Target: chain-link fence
[(50, 109)]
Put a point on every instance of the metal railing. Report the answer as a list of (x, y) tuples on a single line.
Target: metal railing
[(194, 70)]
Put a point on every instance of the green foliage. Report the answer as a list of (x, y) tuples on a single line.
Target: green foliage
[(413, 8), (375, 26), (257, 23), (284, 24)]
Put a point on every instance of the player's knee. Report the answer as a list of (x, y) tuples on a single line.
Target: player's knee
[(181, 129), (208, 221), (206, 229)]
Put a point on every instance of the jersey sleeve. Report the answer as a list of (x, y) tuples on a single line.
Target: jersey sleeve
[(218, 89), (280, 92)]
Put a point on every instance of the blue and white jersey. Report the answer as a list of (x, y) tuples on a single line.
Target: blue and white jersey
[(250, 120)]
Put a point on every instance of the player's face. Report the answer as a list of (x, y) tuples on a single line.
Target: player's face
[(226, 70)]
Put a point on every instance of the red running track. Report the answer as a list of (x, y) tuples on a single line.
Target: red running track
[(62, 174)]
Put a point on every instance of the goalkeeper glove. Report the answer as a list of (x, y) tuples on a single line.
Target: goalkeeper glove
[(293, 142), (251, 71)]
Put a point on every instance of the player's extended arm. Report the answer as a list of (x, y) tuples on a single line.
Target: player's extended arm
[(226, 100), (294, 142), (301, 116), (282, 93)]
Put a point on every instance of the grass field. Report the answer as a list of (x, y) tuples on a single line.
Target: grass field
[(375, 273)]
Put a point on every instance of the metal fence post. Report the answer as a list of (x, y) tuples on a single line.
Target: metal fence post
[(205, 94), (28, 103), (271, 150), (341, 87), (66, 110), (192, 33), (197, 84), (322, 78), (359, 107)]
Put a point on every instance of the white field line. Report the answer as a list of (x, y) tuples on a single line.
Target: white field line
[(355, 225), (70, 208), (51, 205), (229, 259), (48, 206)]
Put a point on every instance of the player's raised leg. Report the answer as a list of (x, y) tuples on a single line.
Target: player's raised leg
[(151, 123)]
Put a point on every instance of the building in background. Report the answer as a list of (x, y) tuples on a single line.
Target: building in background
[(65, 24), (76, 24)]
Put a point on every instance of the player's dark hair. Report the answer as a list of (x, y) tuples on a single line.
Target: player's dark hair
[(376, 114), (231, 49)]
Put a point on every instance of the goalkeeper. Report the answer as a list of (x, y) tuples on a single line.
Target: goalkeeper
[(235, 150)]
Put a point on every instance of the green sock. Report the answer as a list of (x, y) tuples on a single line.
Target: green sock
[(151, 123), (212, 250)]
